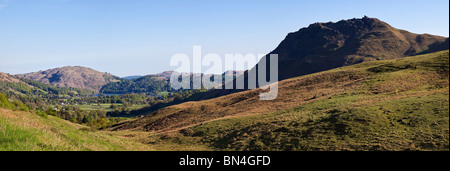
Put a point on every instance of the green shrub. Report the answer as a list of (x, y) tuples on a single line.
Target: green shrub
[(41, 113), (15, 105), (4, 102), (20, 106), (50, 111)]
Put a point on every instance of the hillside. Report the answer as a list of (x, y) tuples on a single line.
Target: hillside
[(25, 131), (26, 88), (75, 77), (399, 104)]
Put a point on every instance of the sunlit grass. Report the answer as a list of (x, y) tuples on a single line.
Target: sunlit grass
[(24, 131)]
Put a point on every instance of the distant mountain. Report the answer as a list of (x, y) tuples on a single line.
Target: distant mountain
[(132, 77), (165, 74), (8, 78), (151, 84), (75, 77), (24, 88), (324, 46), (234, 73)]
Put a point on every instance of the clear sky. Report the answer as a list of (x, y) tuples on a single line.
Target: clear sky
[(138, 37)]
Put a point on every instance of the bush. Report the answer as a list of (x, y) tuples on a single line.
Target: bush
[(20, 106), (15, 105), (4, 102), (50, 111), (42, 114)]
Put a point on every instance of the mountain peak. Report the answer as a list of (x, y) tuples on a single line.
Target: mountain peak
[(364, 23)]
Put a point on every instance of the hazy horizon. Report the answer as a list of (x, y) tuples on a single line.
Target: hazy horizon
[(128, 38)]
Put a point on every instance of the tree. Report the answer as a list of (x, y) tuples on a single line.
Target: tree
[(4, 101), (113, 106), (101, 113), (87, 119), (74, 120), (20, 106), (102, 122), (51, 111)]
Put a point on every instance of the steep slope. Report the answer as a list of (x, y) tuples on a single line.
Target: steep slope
[(399, 104), (75, 77)]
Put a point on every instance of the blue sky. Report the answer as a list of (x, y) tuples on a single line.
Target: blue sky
[(138, 37)]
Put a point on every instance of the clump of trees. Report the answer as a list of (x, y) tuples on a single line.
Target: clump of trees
[(14, 104), (149, 85), (96, 118), (140, 99)]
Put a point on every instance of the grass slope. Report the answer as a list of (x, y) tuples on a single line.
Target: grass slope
[(24, 131), (395, 105)]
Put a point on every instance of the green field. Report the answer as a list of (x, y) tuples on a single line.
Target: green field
[(106, 107)]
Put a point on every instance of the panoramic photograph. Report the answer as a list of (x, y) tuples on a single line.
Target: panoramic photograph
[(224, 75)]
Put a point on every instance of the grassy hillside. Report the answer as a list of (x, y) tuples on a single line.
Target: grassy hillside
[(397, 104), (25, 131)]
